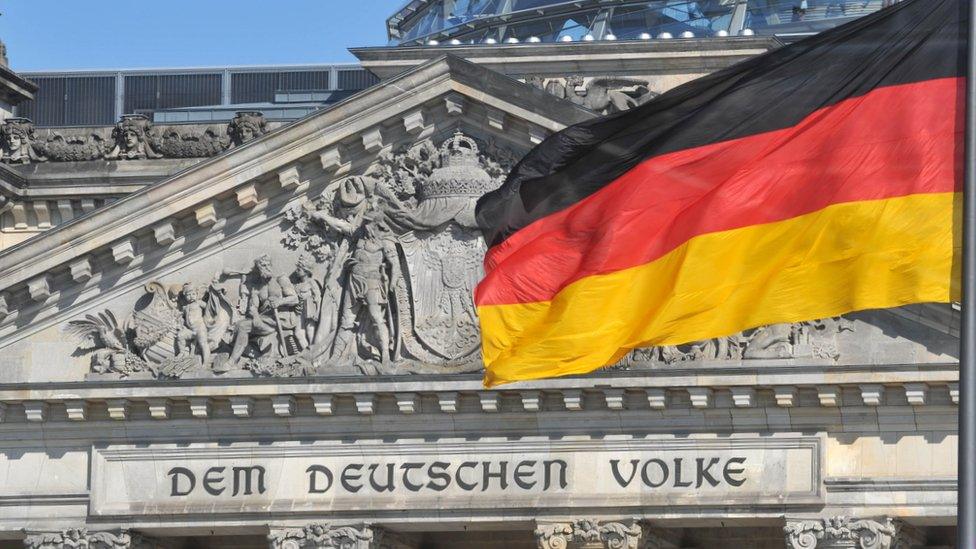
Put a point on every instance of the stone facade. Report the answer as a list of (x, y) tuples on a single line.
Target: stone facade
[(274, 345)]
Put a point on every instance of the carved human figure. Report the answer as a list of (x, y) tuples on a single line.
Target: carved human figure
[(604, 95), (309, 293), (270, 313), (246, 126), (18, 139), (195, 321), (372, 268), (131, 136), (369, 264)]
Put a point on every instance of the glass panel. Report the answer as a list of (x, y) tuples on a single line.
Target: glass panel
[(702, 18), (519, 5), (804, 16)]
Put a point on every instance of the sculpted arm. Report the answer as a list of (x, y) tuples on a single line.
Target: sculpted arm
[(288, 294)]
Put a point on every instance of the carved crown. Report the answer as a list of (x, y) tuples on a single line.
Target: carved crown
[(461, 172)]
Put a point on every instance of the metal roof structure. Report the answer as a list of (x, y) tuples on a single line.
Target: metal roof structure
[(495, 21)]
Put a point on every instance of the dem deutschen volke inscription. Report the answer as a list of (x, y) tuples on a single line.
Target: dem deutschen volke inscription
[(343, 476)]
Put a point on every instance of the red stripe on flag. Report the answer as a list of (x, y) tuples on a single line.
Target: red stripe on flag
[(893, 141)]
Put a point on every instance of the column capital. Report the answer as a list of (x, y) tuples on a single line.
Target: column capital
[(81, 538), (332, 536), (844, 532), (589, 533)]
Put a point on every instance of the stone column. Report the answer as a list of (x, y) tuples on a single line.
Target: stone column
[(851, 533), (329, 536), (594, 534), (81, 538)]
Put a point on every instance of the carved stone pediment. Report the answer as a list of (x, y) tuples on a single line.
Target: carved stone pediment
[(342, 244)]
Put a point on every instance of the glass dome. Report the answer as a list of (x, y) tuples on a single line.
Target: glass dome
[(500, 21)]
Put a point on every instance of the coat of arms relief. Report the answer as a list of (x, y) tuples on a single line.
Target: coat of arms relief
[(387, 262)]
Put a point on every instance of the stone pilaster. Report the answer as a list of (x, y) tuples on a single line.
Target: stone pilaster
[(328, 536), (81, 538), (850, 533), (589, 534)]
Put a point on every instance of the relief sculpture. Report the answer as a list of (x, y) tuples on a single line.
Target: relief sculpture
[(605, 94), (376, 276), (134, 137)]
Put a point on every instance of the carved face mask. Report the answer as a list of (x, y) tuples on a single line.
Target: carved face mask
[(14, 142)]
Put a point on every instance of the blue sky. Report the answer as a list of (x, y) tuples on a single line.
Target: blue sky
[(114, 34)]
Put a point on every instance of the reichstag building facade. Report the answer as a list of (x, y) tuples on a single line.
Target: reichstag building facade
[(236, 312)]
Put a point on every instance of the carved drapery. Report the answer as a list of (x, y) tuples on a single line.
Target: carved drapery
[(81, 538), (590, 534), (844, 532), (327, 536)]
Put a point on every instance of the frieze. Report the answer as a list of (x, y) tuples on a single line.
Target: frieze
[(134, 137)]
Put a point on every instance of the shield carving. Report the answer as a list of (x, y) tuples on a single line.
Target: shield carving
[(443, 267)]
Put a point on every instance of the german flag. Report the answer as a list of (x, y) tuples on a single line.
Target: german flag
[(821, 178)]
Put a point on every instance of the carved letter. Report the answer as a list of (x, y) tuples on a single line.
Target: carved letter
[(500, 475), (677, 475), (245, 472), (728, 472), (389, 478), (562, 472), (521, 475), (614, 468), (347, 476), (467, 486), (209, 481), (665, 473), (703, 473), (407, 467), (312, 474), (439, 474), (174, 473)]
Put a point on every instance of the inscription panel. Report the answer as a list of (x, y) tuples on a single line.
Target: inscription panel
[(339, 476)]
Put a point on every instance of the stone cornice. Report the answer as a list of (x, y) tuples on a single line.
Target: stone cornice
[(652, 56), (892, 402)]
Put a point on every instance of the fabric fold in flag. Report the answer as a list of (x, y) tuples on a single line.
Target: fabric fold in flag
[(815, 180)]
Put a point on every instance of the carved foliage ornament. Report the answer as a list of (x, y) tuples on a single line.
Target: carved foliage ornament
[(322, 536), (588, 532), (134, 137), (81, 538), (842, 532)]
